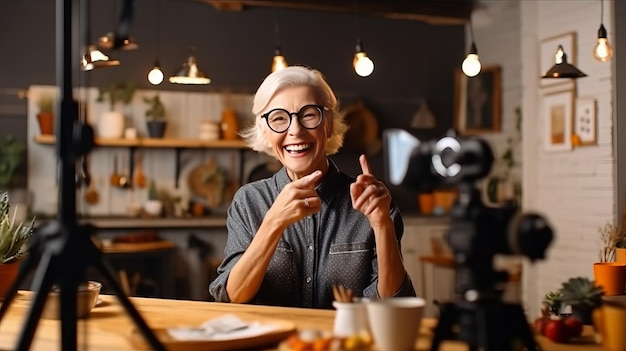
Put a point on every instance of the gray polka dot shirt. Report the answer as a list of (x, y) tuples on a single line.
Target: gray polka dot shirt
[(334, 246)]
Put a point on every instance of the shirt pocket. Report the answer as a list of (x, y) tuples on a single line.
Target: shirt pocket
[(284, 247), (349, 248)]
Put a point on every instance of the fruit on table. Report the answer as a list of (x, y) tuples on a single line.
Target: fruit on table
[(557, 331), (316, 340), (574, 326)]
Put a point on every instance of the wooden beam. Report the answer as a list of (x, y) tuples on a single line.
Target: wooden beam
[(451, 12)]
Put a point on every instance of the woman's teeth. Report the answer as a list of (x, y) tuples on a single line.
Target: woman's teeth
[(297, 148)]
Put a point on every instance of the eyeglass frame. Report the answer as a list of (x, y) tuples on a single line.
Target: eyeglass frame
[(319, 108)]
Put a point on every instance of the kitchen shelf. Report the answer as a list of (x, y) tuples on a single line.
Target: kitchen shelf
[(164, 143), (171, 143)]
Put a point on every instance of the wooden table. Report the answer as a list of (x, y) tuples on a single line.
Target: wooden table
[(109, 328)]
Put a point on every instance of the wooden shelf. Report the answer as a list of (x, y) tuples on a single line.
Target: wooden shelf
[(158, 143)]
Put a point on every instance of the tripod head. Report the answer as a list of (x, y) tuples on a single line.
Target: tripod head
[(477, 232)]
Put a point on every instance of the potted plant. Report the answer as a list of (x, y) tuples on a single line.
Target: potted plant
[(153, 206), (155, 116), (111, 123), (583, 296), (14, 238), (45, 115)]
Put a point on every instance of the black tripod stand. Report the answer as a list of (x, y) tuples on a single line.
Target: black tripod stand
[(63, 250), (479, 317)]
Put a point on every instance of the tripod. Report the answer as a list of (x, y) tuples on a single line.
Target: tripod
[(63, 249), (479, 317)]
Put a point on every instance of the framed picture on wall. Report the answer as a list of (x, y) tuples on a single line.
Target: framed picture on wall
[(477, 101), (557, 116), (547, 52), (585, 123)]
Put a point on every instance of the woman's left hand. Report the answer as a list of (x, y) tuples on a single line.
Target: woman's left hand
[(370, 196)]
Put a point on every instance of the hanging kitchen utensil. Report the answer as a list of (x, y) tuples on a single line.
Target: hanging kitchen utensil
[(139, 178), (91, 196), (124, 182), (114, 179)]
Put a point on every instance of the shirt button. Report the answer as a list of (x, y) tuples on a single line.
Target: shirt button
[(310, 247), (308, 279)]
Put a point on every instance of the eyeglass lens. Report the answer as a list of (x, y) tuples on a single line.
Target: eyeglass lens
[(309, 117)]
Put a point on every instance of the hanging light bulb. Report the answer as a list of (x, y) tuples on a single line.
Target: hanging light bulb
[(155, 76), (278, 62), (471, 65), (602, 51), (363, 65)]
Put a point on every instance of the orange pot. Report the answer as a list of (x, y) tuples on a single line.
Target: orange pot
[(8, 273), (620, 255), (610, 276), (46, 123), (426, 203)]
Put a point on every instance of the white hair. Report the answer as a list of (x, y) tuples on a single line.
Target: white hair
[(294, 76)]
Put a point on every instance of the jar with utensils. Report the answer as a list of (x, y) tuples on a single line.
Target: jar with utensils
[(351, 315)]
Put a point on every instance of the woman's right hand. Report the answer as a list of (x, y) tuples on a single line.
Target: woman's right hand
[(297, 200)]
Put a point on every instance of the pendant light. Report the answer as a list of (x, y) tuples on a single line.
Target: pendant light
[(93, 58), (155, 76), (190, 73), (278, 62), (363, 65), (602, 51), (561, 68), (120, 39), (471, 65)]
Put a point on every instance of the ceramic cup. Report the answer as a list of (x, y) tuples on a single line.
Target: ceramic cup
[(395, 322), (350, 318)]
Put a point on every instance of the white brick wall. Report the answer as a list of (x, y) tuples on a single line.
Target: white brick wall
[(574, 189)]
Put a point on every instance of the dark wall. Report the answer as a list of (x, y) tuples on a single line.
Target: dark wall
[(413, 59)]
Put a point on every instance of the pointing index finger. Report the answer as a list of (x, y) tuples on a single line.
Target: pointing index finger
[(365, 166)]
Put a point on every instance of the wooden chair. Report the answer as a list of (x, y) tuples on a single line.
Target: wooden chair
[(438, 258)]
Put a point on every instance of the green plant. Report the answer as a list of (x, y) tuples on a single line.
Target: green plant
[(581, 291), (116, 92), (45, 104), (553, 300), (612, 237), (13, 237), (153, 193), (156, 110), (11, 152)]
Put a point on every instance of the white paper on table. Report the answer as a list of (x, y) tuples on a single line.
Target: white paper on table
[(227, 327)]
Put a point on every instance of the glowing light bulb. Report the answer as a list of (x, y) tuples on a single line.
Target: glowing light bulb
[(155, 76), (471, 65), (363, 65), (279, 63), (602, 51)]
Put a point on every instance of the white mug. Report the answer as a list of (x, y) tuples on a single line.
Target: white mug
[(395, 322)]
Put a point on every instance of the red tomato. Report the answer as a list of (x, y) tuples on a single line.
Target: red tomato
[(556, 331), (574, 326)]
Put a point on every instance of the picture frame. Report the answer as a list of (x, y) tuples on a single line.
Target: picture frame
[(547, 52), (477, 102), (557, 116), (585, 121)]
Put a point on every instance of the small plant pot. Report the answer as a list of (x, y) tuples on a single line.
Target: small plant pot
[(611, 277), (46, 123), (8, 273), (111, 125), (156, 129)]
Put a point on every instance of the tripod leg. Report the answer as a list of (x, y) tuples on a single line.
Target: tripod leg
[(443, 331), (145, 330)]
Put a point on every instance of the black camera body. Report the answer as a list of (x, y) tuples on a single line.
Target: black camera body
[(477, 233)]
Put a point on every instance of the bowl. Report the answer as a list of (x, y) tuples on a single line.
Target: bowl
[(86, 299)]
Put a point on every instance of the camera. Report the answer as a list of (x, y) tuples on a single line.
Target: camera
[(477, 233)]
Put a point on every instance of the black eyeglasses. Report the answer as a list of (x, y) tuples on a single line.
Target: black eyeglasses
[(309, 117)]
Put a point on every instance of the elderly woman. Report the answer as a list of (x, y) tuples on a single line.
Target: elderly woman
[(293, 236)]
